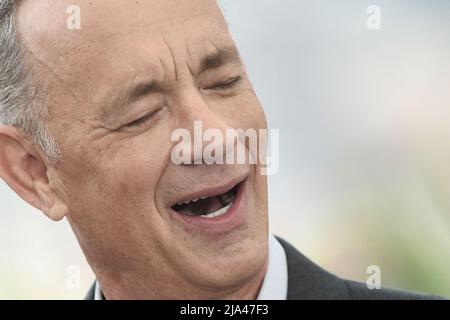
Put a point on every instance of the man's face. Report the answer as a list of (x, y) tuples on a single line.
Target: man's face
[(116, 90)]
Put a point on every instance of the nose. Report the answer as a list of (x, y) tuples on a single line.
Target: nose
[(206, 130)]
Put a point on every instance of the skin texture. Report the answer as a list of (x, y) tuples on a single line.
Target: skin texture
[(116, 182)]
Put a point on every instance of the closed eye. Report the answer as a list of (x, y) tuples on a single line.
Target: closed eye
[(225, 85), (141, 121)]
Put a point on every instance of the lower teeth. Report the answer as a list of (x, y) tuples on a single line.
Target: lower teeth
[(218, 212)]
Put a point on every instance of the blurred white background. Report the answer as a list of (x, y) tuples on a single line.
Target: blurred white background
[(365, 146)]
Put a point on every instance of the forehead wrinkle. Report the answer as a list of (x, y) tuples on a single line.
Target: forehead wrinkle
[(172, 56)]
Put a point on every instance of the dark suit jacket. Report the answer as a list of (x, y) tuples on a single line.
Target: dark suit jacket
[(307, 281)]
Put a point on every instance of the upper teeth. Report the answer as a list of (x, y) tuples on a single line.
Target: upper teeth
[(187, 202)]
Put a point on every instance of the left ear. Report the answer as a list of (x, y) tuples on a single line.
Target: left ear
[(23, 169)]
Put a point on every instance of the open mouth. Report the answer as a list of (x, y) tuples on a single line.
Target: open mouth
[(208, 207)]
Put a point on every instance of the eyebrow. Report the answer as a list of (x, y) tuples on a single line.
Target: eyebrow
[(219, 58), (142, 89), (211, 61)]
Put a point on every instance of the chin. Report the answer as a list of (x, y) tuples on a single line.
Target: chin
[(235, 264)]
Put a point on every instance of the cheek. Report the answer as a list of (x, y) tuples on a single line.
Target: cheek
[(123, 178), (244, 111)]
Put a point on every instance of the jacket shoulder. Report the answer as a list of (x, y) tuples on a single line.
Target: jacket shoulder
[(306, 280), (360, 291)]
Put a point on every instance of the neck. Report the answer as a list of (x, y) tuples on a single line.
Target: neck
[(249, 291)]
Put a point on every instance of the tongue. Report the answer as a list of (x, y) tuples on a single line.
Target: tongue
[(203, 207)]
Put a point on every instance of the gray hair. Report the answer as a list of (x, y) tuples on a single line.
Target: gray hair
[(20, 105)]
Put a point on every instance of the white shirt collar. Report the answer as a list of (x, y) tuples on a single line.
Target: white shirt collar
[(98, 291), (275, 282)]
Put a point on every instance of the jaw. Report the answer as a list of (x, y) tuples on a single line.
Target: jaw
[(202, 263), (219, 254)]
